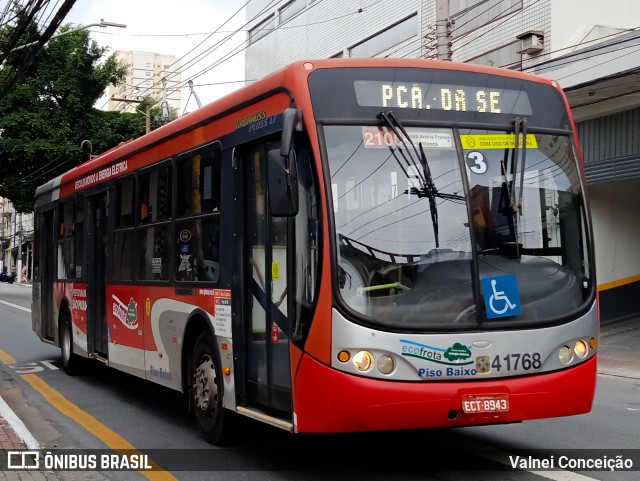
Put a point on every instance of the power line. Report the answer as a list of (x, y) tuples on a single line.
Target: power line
[(241, 47), (208, 50), (581, 52)]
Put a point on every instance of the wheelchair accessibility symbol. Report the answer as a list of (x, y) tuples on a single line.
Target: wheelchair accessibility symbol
[(501, 296)]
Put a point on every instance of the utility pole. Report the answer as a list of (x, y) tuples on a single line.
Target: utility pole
[(443, 30), (163, 103), (19, 269), (131, 101)]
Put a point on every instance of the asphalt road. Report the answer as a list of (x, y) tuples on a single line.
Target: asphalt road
[(151, 419)]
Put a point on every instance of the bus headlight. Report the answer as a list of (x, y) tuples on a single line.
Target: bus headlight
[(386, 364), (581, 349), (565, 354), (363, 361)]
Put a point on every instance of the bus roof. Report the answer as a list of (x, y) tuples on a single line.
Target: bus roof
[(288, 76)]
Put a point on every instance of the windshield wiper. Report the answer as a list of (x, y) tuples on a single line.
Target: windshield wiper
[(428, 188), (520, 129)]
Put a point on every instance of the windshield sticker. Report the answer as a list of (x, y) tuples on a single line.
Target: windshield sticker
[(373, 137), (501, 296), (496, 141)]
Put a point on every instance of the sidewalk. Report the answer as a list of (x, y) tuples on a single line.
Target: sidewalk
[(15, 436), (619, 354)]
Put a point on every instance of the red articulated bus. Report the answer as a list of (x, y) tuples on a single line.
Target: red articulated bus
[(346, 245)]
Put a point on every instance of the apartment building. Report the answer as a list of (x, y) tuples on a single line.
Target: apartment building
[(145, 78), (16, 240)]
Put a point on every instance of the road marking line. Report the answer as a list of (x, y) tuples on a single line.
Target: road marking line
[(6, 358), (18, 426), (26, 309), (112, 439)]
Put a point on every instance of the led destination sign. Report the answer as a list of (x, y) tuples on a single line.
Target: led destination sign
[(447, 97)]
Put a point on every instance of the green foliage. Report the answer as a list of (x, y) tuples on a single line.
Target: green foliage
[(51, 111)]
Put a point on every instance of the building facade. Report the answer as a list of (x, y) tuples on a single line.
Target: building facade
[(16, 241), (548, 37), (148, 73)]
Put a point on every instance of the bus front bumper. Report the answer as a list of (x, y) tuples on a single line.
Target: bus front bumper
[(327, 400)]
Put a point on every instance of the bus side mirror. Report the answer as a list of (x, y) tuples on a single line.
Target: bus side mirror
[(282, 173), (282, 176), (291, 121)]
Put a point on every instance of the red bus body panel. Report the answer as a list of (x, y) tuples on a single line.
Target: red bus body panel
[(328, 400)]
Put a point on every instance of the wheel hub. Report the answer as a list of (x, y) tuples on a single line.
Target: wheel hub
[(205, 391)]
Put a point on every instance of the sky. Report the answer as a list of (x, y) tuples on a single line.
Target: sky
[(184, 29)]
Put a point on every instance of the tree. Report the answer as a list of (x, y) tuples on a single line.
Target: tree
[(51, 111)]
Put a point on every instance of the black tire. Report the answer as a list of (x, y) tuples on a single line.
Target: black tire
[(206, 392), (70, 361)]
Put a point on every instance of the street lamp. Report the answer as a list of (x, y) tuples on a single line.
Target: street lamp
[(102, 24)]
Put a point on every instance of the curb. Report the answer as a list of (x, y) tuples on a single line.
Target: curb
[(14, 425)]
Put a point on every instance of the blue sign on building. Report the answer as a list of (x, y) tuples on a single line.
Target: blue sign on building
[(501, 296)]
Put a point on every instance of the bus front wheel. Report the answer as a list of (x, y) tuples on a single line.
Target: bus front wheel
[(206, 392), (70, 361)]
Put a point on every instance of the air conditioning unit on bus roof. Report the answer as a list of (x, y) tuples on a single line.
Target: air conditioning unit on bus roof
[(532, 42)]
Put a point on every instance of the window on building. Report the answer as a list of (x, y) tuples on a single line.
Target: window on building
[(506, 56), (387, 39), (470, 15), (262, 29), (291, 8)]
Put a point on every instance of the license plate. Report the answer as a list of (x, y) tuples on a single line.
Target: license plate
[(485, 403)]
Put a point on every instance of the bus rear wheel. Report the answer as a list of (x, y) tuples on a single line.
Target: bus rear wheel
[(70, 361), (205, 389)]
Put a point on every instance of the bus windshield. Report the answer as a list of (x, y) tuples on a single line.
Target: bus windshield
[(422, 214)]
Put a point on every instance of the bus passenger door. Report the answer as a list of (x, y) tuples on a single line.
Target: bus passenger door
[(47, 241), (266, 291), (96, 275)]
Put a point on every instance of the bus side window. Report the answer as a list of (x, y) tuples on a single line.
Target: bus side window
[(124, 234), (199, 181), (65, 240), (198, 232), (198, 256), (154, 233), (124, 206), (155, 195)]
